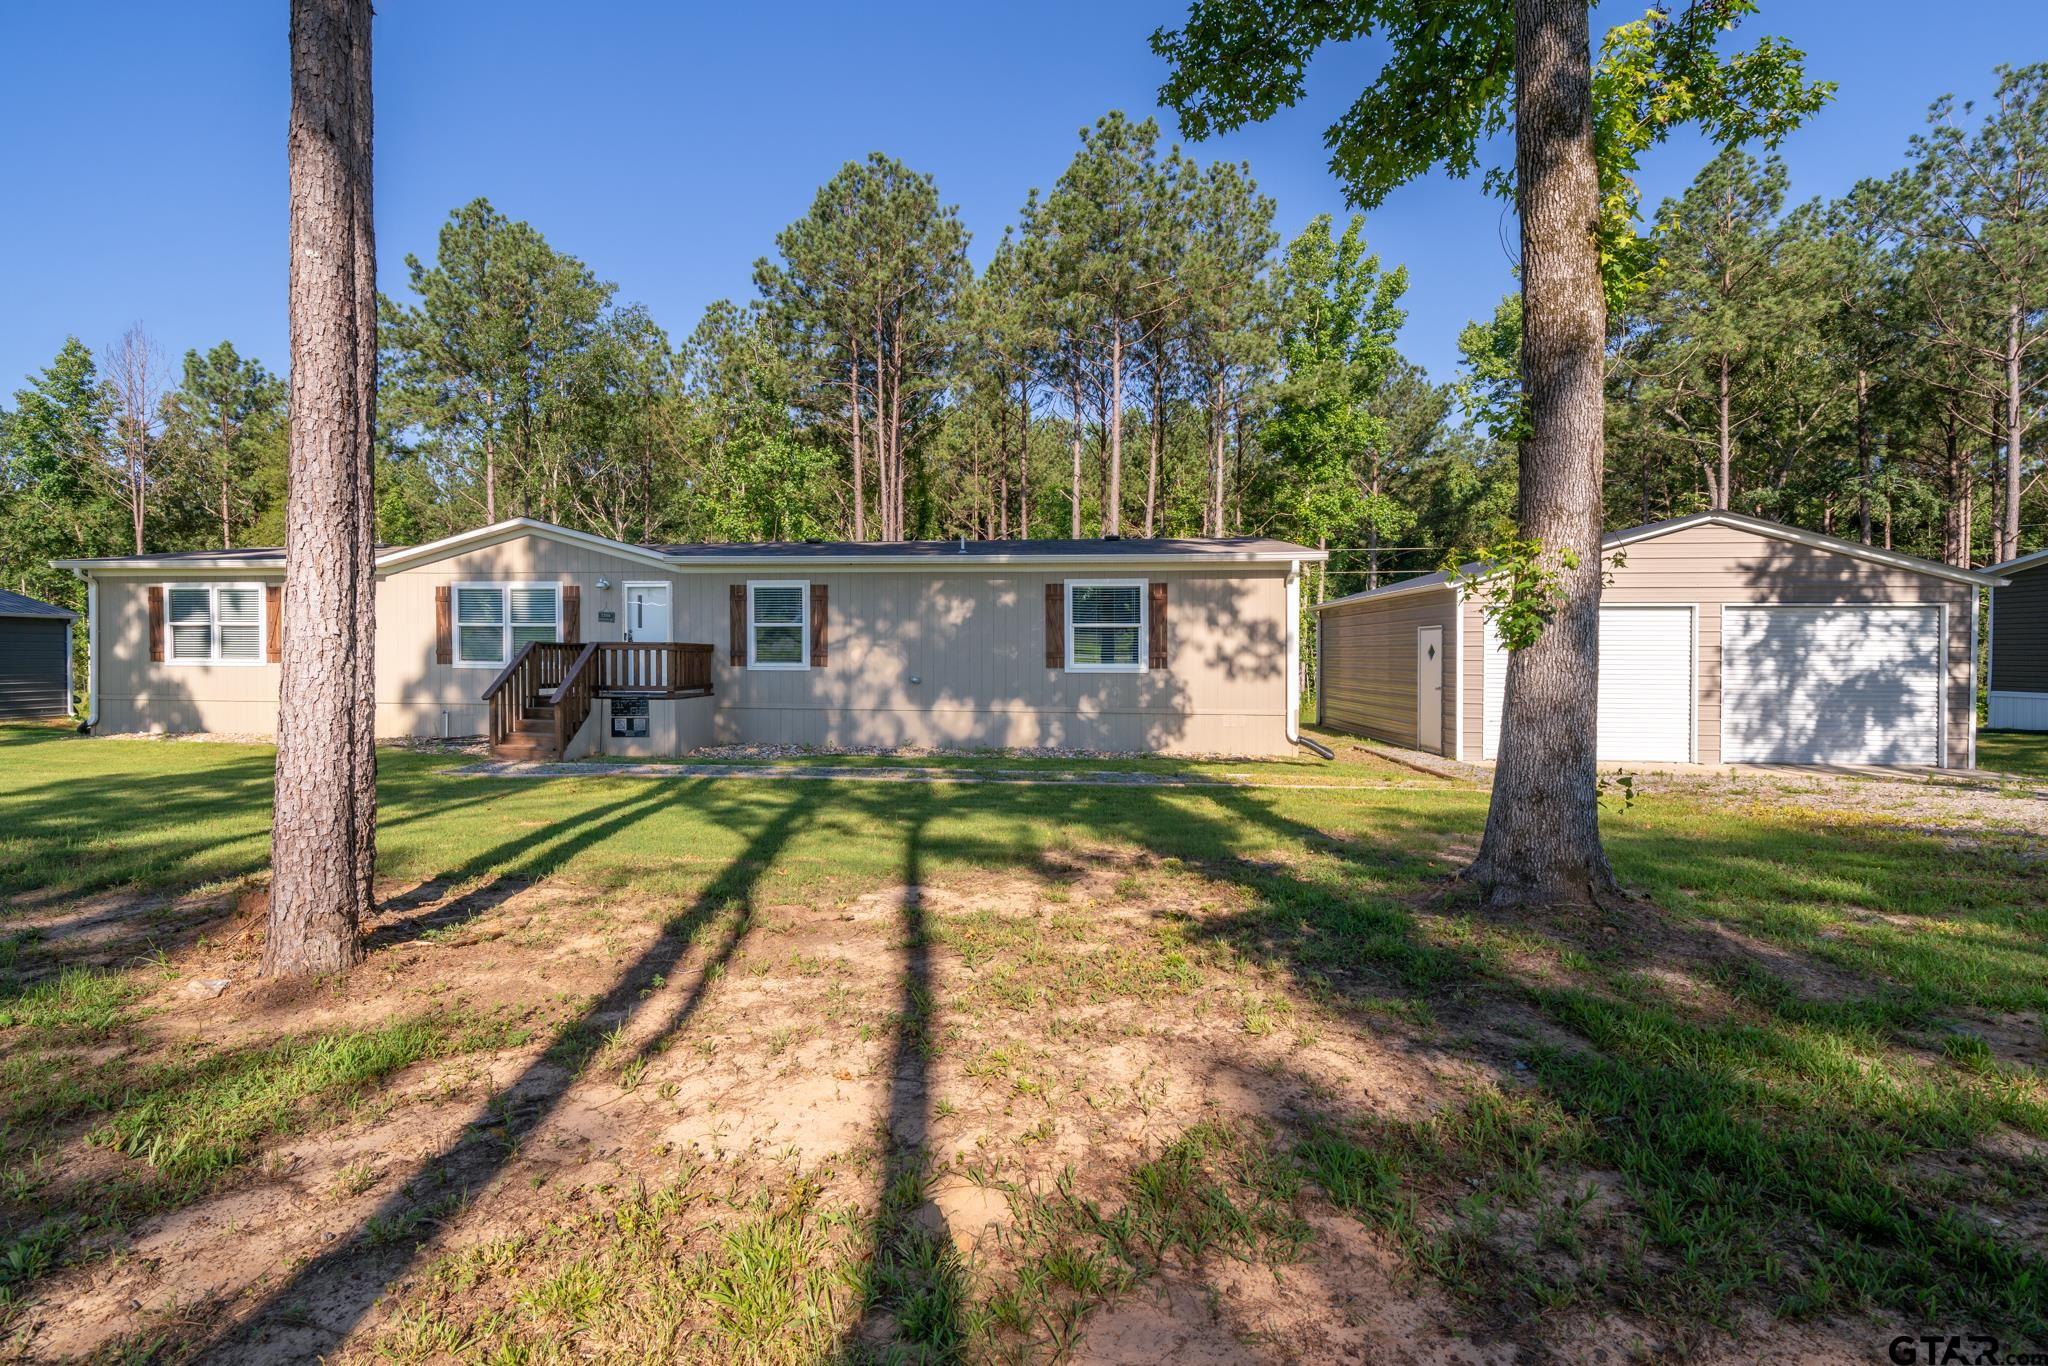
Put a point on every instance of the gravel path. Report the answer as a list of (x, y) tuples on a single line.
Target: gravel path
[(1986, 802)]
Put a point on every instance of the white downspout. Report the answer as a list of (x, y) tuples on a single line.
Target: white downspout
[(92, 648), (1293, 652), (1970, 754)]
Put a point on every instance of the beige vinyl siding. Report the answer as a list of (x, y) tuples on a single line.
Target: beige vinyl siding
[(973, 640), (413, 690), (2019, 632), (1368, 665), (975, 644), (1714, 566), (138, 695)]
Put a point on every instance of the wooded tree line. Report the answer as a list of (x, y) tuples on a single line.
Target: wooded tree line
[(1140, 356)]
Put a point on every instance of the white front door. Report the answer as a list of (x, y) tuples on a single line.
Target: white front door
[(647, 612), (1429, 688)]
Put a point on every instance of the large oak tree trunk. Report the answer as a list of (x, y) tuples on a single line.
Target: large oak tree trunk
[(322, 838), (1542, 841)]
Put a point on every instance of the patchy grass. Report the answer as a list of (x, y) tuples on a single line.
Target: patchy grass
[(805, 1072), (2024, 752)]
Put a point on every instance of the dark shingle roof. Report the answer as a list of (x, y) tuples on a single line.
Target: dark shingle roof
[(969, 550), (15, 605)]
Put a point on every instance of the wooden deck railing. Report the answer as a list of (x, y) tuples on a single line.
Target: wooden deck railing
[(655, 668), (568, 678)]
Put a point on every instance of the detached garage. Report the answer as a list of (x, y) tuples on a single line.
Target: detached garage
[(1723, 638), (35, 658)]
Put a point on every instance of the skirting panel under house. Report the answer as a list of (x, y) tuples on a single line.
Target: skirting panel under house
[(2018, 710)]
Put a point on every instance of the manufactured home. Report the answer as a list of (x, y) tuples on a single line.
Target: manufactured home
[(1723, 639), (555, 642), (2017, 675)]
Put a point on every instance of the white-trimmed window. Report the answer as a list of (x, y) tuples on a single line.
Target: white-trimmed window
[(493, 620), (213, 623), (779, 624), (1106, 625)]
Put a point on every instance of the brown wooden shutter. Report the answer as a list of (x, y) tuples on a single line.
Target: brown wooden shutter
[(739, 626), (444, 634), (1056, 624), (156, 624), (572, 614), (1155, 626), (819, 657), (273, 622)]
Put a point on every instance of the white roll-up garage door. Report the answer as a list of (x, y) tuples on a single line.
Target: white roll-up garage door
[(1831, 685), (1646, 686)]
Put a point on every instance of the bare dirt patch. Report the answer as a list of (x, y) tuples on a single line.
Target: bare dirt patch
[(1011, 1064)]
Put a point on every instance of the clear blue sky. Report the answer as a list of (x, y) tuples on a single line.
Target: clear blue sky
[(142, 144)]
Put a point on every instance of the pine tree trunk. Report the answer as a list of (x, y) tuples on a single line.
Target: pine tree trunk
[(1113, 492), (1237, 469), (490, 480), (321, 850), (364, 229), (898, 526), (1542, 840), (1002, 467), (1957, 512), (1863, 451), (1726, 494), (2009, 535), (860, 502), (1213, 523), (1074, 498), (138, 481), (1152, 458), (1024, 473)]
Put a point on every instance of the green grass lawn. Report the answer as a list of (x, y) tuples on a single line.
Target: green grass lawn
[(1803, 1077), (2024, 752)]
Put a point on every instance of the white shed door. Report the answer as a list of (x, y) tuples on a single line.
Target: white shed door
[(1646, 686), (1831, 685)]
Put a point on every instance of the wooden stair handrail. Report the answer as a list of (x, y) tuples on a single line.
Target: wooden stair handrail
[(566, 679), (574, 696)]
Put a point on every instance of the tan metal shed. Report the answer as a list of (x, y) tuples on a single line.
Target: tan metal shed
[(1724, 638)]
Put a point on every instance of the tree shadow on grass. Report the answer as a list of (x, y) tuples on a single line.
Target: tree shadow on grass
[(915, 1286), (421, 912), (323, 1301), (1706, 1071), (1742, 1125)]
